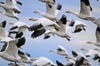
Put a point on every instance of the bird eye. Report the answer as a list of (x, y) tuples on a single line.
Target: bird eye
[(59, 49)]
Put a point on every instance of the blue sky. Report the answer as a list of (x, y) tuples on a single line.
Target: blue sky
[(40, 47)]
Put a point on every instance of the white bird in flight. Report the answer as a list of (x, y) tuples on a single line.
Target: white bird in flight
[(42, 61), (85, 10)]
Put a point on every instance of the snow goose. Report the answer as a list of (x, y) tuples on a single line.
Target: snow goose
[(61, 51), (7, 52), (10, 5), (10, 48), (51, 11), (42, 61), (42, 25), (62, 32), (48, 1), (21, 26), (10, 13), (85, 10)]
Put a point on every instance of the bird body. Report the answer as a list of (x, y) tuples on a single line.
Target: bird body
[(85, 10), (51, 11), (10, 5), (42, 61), (10, 13)]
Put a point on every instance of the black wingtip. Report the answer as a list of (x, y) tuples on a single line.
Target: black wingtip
[(91, 8), (19, 35), (79, 61), (59, 6), (59, 63), (68, 39), (16, 11), (54, 1), (38, 33), (18, 2), (46, 37), (72, 23), (2, 2), (87, 55), (96, 57), (86, 2), (4, 24), (28, 54), (74, 54), (35, 27), (21, 42), (77, 30), (63, 19), (20, 52), (12, 28)]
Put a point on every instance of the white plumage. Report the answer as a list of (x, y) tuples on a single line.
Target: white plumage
[(42, 61)]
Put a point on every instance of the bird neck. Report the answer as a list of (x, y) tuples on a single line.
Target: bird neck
[(1, 54)]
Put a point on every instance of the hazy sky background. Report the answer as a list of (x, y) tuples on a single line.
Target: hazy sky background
[(39, 47)]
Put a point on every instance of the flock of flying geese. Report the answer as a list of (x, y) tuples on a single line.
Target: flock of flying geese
[(49, 25)]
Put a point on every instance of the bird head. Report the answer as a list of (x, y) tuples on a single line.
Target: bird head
[(33, 19), (48, 1), (36, 11), (68, 11)]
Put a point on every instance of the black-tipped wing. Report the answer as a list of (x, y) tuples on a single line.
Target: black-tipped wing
[(85, 7), (35, 27), (63, 19), (19, 35), (79, 61), (4, 24), (59, 6), (96, 57), (13, 28), (62, 22), (20, 52), (21, 42), (74, 54), (18, 2), (38, 33), (28, 54), (72, 23), (4, 47), (77, 30), (59, 63)]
